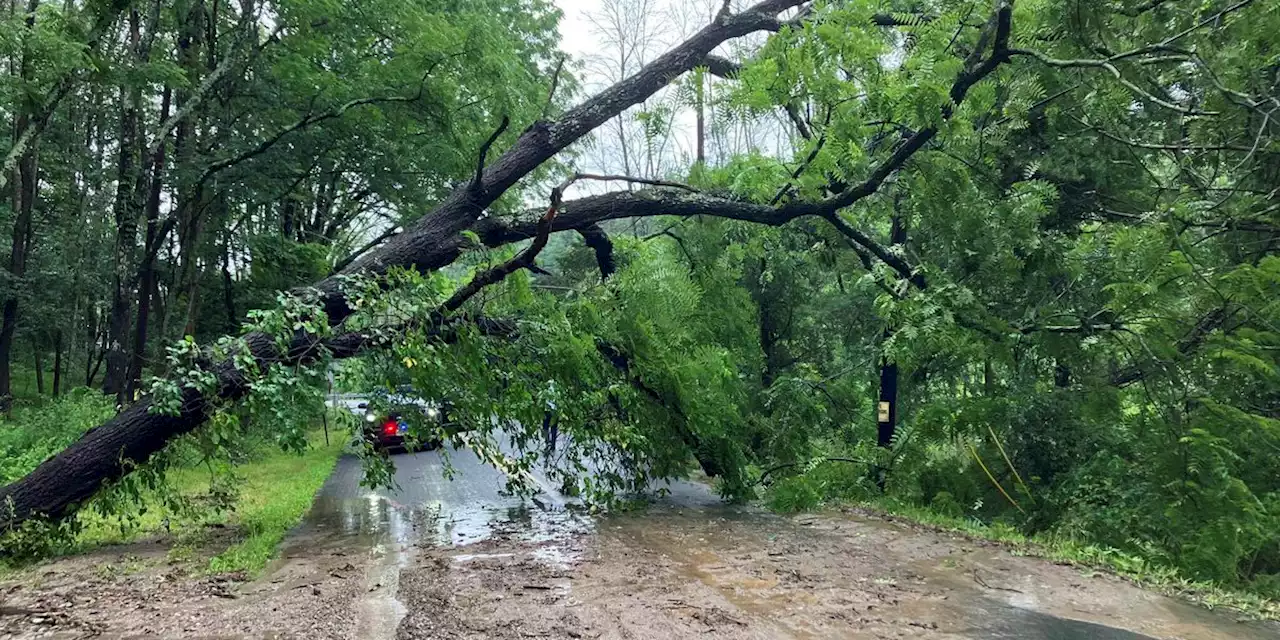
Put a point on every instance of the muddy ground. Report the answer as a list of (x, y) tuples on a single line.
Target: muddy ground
[(733, 574), (668, 573), (460, 559)]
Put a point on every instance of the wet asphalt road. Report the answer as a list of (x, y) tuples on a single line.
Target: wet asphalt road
[(450, 496), (445, 496), (427, 506)]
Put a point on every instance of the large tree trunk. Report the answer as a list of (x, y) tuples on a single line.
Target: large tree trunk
[(191, 196), (72, 476), (887, 409)]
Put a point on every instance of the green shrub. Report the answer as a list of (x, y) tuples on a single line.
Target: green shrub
[(794, 494), (945, 504), (29, 435)]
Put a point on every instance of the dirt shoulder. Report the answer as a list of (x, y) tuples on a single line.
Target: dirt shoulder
[(138, 590)]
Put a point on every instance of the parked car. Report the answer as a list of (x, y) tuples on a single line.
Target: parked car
[(388, 422)]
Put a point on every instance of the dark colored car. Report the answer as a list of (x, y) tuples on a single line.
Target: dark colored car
[(387, 429)]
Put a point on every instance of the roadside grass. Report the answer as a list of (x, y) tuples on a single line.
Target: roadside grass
[(1087, 557), (274, 490), (275, 496)]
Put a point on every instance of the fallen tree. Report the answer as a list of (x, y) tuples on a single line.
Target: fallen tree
[(56, 487)]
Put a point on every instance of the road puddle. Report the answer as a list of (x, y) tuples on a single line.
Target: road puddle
[(379, 520)]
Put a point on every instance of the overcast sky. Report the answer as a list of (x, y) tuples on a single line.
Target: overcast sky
[(576, 37), (667, 22)]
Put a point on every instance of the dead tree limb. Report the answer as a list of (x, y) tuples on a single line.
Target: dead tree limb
[(523, 260)]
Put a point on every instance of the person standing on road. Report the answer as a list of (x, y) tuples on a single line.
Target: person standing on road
[(550, 432), (550, 426)]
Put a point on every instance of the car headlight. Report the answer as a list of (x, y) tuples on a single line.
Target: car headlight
[(370, 417)]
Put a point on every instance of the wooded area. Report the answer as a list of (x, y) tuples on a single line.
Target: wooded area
[(1014, 262)]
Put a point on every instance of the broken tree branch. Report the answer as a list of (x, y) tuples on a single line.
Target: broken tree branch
[(1106, 65), (523, 260), (619, 178), (595, 237), (555, 81), (366, 248), (477, 183)]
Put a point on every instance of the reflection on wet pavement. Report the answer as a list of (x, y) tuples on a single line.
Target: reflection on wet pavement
[(380, 519), (426, 508)]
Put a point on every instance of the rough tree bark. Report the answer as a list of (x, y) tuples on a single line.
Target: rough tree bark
[(106, 452)]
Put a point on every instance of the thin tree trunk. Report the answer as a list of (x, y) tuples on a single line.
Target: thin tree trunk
[(89, 354), (147, 270), (228, 288), (57, 362), (193, 298), (126, 218), (770, 330), (94, 349), (700, 105), (39, 363), (94, 363)]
